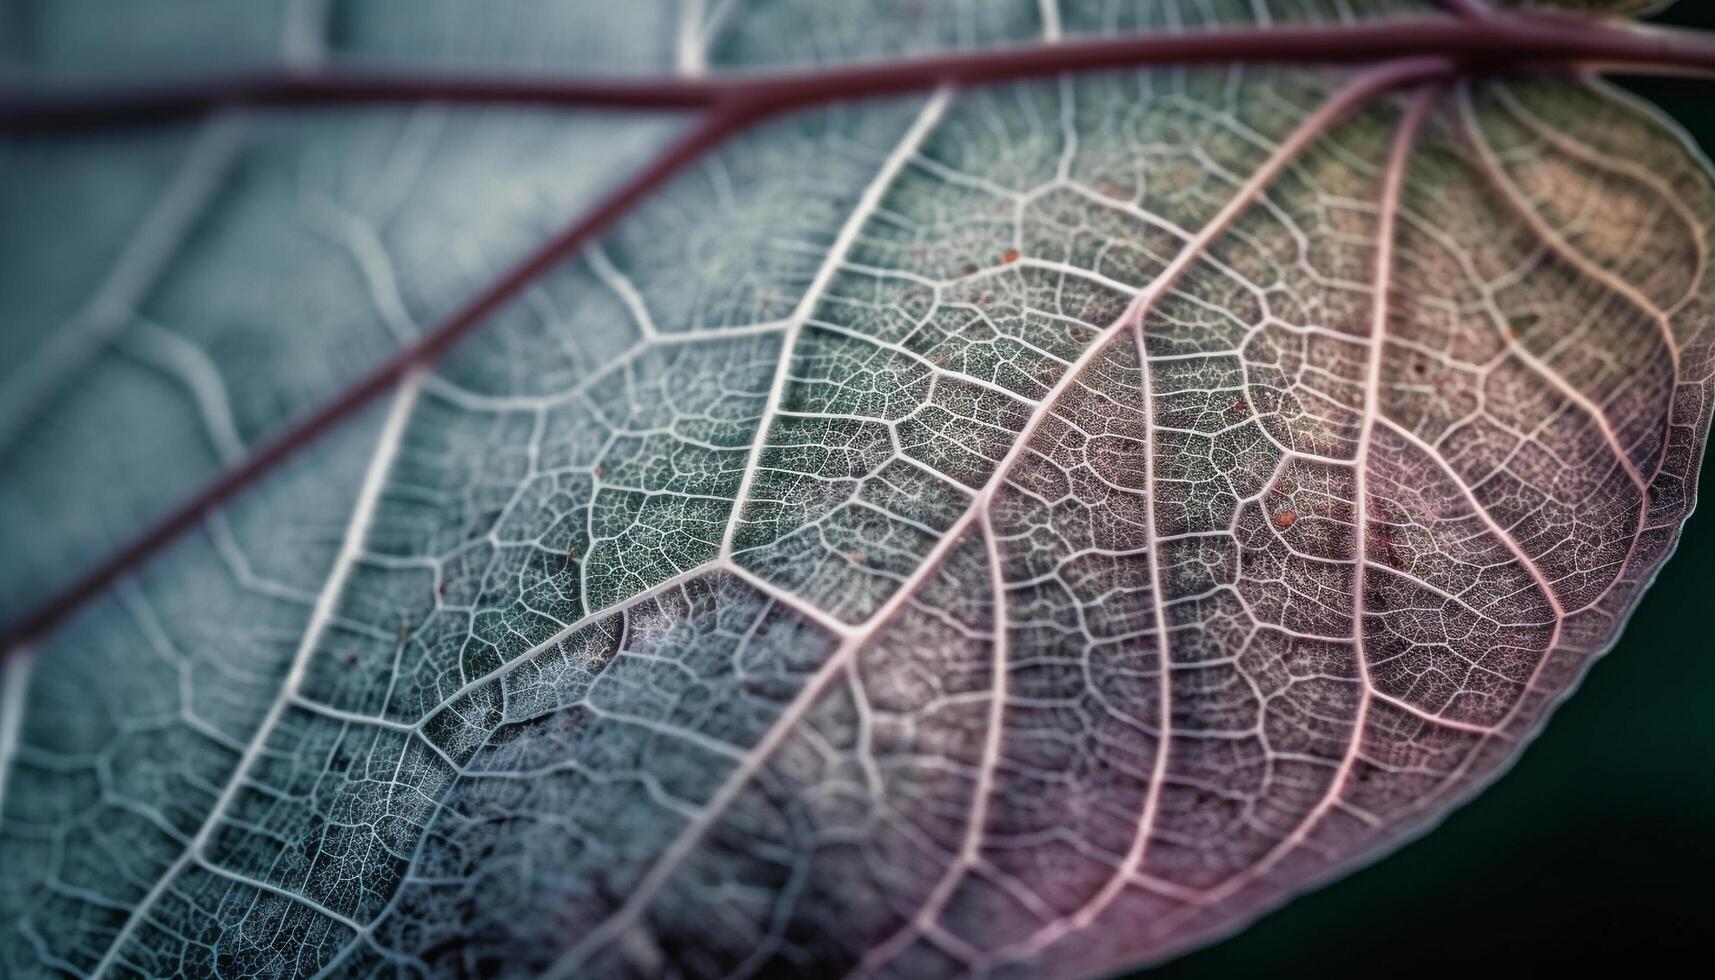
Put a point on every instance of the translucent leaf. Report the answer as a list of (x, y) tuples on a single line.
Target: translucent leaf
[(1029, 529)]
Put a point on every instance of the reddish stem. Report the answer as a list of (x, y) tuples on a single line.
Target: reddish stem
[(1490, 42)]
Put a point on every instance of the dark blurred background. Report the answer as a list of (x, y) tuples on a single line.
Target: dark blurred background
[(1595, 854)]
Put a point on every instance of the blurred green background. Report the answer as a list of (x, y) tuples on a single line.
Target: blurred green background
[(1595, 854)]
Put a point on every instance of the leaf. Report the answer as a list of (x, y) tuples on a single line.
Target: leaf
[(920, 539)]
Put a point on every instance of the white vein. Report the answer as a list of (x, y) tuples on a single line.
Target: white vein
[(351, 548), (625, 289), (363, 244), (14, 681), (140, 265), (191, 366), (1050, 13), (970, 846), (1134, 857), (867, 203), (691, 52), (304, 33)]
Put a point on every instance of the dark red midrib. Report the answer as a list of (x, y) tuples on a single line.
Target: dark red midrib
[(1477, 44), (1485, 44)]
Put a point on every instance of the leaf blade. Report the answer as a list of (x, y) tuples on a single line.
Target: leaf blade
[(560, 690)]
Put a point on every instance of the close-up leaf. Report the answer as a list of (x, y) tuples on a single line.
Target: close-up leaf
[(805, 488)]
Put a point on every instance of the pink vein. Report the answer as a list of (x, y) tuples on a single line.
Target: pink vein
[(1354, 94), (1607, 278), (1492, 169), (970, 848), (1622, 168), (1133, 862), (1393, 183)]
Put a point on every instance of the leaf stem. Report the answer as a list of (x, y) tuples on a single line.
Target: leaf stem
[(1485, 43)]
